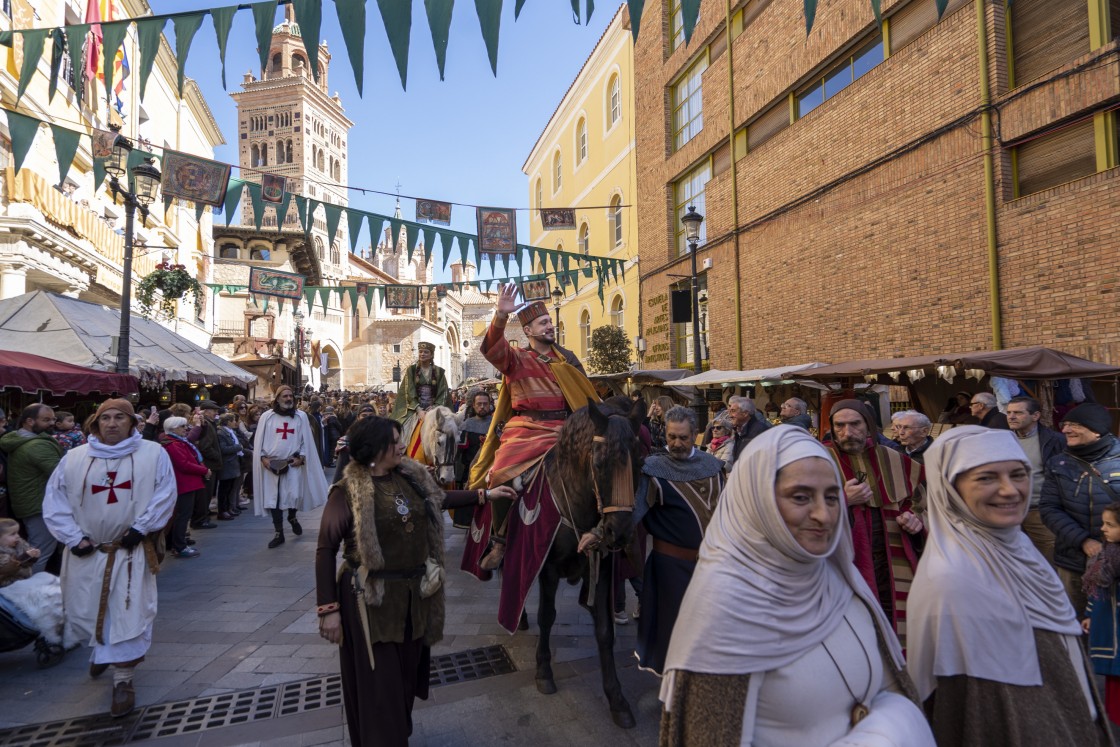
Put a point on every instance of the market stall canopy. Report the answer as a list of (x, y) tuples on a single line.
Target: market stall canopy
[(1013, 363), (644, 376), (716, 377), (82, 333), (34, 373)]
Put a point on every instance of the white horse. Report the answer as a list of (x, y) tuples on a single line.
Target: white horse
[(439, 436)]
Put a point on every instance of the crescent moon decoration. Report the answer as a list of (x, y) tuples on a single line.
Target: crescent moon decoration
[(528, 517)]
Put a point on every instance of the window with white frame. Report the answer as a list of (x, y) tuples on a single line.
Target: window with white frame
[(581, 141), (689, 190), (616, 219), (676, 25), (584, 239), (688, 104), (585, 333), (557, 175), (614, 97), (618, 308)]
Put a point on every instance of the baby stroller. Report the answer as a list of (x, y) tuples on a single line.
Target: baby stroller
[(30, 612)]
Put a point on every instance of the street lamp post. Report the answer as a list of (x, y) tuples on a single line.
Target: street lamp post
[(297, 315), (557, 296), (692, 221), (137, 195)]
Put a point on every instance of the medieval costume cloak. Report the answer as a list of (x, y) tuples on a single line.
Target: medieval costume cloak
[(283, 437), (100, 491), (885, 555), (389, 528), (995, 646), (674, 501)]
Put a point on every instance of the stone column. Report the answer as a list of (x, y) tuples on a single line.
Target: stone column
[(13, 280)]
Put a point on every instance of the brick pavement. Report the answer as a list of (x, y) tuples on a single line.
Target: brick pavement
[(242, 616)]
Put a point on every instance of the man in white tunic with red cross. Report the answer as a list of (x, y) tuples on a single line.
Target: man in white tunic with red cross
[(102, 502), (287, 474)]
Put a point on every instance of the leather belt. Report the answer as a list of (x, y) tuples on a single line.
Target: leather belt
[(542, 414), (394, 575), (675, 551)]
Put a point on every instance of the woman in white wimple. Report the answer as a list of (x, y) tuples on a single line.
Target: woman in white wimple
[(779, 642)]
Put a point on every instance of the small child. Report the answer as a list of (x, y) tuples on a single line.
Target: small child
[(16, 556), (1101, 616), (67, 432)]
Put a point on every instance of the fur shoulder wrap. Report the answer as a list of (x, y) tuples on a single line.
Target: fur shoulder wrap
[(358, 484)]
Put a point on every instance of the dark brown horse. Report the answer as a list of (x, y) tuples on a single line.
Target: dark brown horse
[(592, 473)]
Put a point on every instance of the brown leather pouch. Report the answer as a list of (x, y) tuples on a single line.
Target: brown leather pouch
[(278, 466)]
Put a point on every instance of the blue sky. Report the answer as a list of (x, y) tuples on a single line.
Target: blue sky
[(463, 139)]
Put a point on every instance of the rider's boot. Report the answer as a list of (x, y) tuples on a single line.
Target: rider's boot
[(493, 559)]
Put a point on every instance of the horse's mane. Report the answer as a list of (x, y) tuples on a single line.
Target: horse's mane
[(574, 444), (438, 420)]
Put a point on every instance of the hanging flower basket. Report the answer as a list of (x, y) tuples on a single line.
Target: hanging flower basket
[(173, 283)]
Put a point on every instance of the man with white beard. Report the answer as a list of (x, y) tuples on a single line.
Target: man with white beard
[(287, 473)]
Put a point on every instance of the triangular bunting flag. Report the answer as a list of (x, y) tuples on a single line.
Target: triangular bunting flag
[(464, 247), (412, 236), (941, 5), (33, 40), (810, 15), (148, 31), (690, 9), (233, 198), (279, 305), (445, 239), (266, 304), (223, 21), (590, 6), (368, 295), (334, 215), (309, 16), (21, 131), (58, 50), (635, 7), (396, 15), (312, 208), (185, 28), (352, 21), (282, 210), (65, 146), (301, 213), (352, 293), (112, 35), (325, 297), (354, 225), (264, 17), (257, 199), (75, 40), (439, 21), (517, 8), (490, 19), (98, 173), (429, 243), (309, 296), (375, 224), (199, 209)]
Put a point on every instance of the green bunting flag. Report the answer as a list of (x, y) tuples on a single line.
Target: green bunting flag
[(58, 49), (21, 131), (439, 21), (490, 19), (464, 248), (112, 35), (877, 9), (257, 199), (354, 225), (99, 173), (942, 4), (199, 209), (396, 15), (309, 16), (429, 244), (233, 198), (636, 7), (65, 147), (301, 213), (590, 8), (325, 298), (352, 21), (185, 28), (75, 39), (690, 9), (223, 21), (148, 31), (32, 51), (445, 239), (264, 17), (282, 210), (810, 15), (309, 295), (517, 8), (334, 215)]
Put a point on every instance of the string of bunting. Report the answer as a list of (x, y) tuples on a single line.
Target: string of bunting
[(208, 183), (396, 16)]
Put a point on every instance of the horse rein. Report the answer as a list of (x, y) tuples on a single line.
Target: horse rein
[(622, 489)]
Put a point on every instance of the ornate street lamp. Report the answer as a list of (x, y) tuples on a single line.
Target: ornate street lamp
[(138, 193), (692, 221), (297, 316), (397, 372)]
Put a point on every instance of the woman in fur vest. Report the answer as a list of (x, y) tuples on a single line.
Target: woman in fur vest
[(385, 608)]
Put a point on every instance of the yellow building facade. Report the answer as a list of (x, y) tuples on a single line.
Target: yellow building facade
[(584, 159)]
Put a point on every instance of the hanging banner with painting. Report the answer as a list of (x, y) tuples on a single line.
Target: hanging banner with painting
[(272, 188), (535, 290), (431, 211), (558, 219), (497, 230), (402, 297), (263, 282), (199, 180)]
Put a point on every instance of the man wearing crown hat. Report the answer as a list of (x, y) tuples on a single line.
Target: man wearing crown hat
[(105, 502), (423, 387), (542, 384)]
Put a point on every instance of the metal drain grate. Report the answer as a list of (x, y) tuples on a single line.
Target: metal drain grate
[(467, 666), (229, 709)]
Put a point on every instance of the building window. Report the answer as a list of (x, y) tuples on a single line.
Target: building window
[(617, 311), (255, 155), (229, 251), (614, 97), (319, 248), (584, 239), (581, 141), (396, 347), (682, 333), (556, 173), (676, 24), (689, 190), (264, 154), (540, 197), (688, 104), (840, 76), (616, 220), (1055, 159), (277, 62), (336, 255), (585, 333), (560, 334), (260, 254), (1044, 35)]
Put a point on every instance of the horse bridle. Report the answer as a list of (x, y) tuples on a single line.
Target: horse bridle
[(447, 459), (625, 502)]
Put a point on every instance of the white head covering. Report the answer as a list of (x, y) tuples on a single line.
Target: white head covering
[(758, 600), (979, 591)]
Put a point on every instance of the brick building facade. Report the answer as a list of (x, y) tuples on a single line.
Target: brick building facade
[(849, 214)]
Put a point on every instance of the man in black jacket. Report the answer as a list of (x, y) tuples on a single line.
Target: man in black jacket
[(743, 414), (1040, 444), (205, 437), (983, 406)]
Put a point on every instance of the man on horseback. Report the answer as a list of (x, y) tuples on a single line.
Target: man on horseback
[(542, 385), (423, 387)]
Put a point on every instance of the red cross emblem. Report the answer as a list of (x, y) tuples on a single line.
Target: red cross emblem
[(111, 487), (285, 431)]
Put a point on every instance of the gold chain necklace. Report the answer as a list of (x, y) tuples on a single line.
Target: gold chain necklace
[(861, 709)]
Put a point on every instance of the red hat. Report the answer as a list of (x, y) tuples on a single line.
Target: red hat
[(530, 312)]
